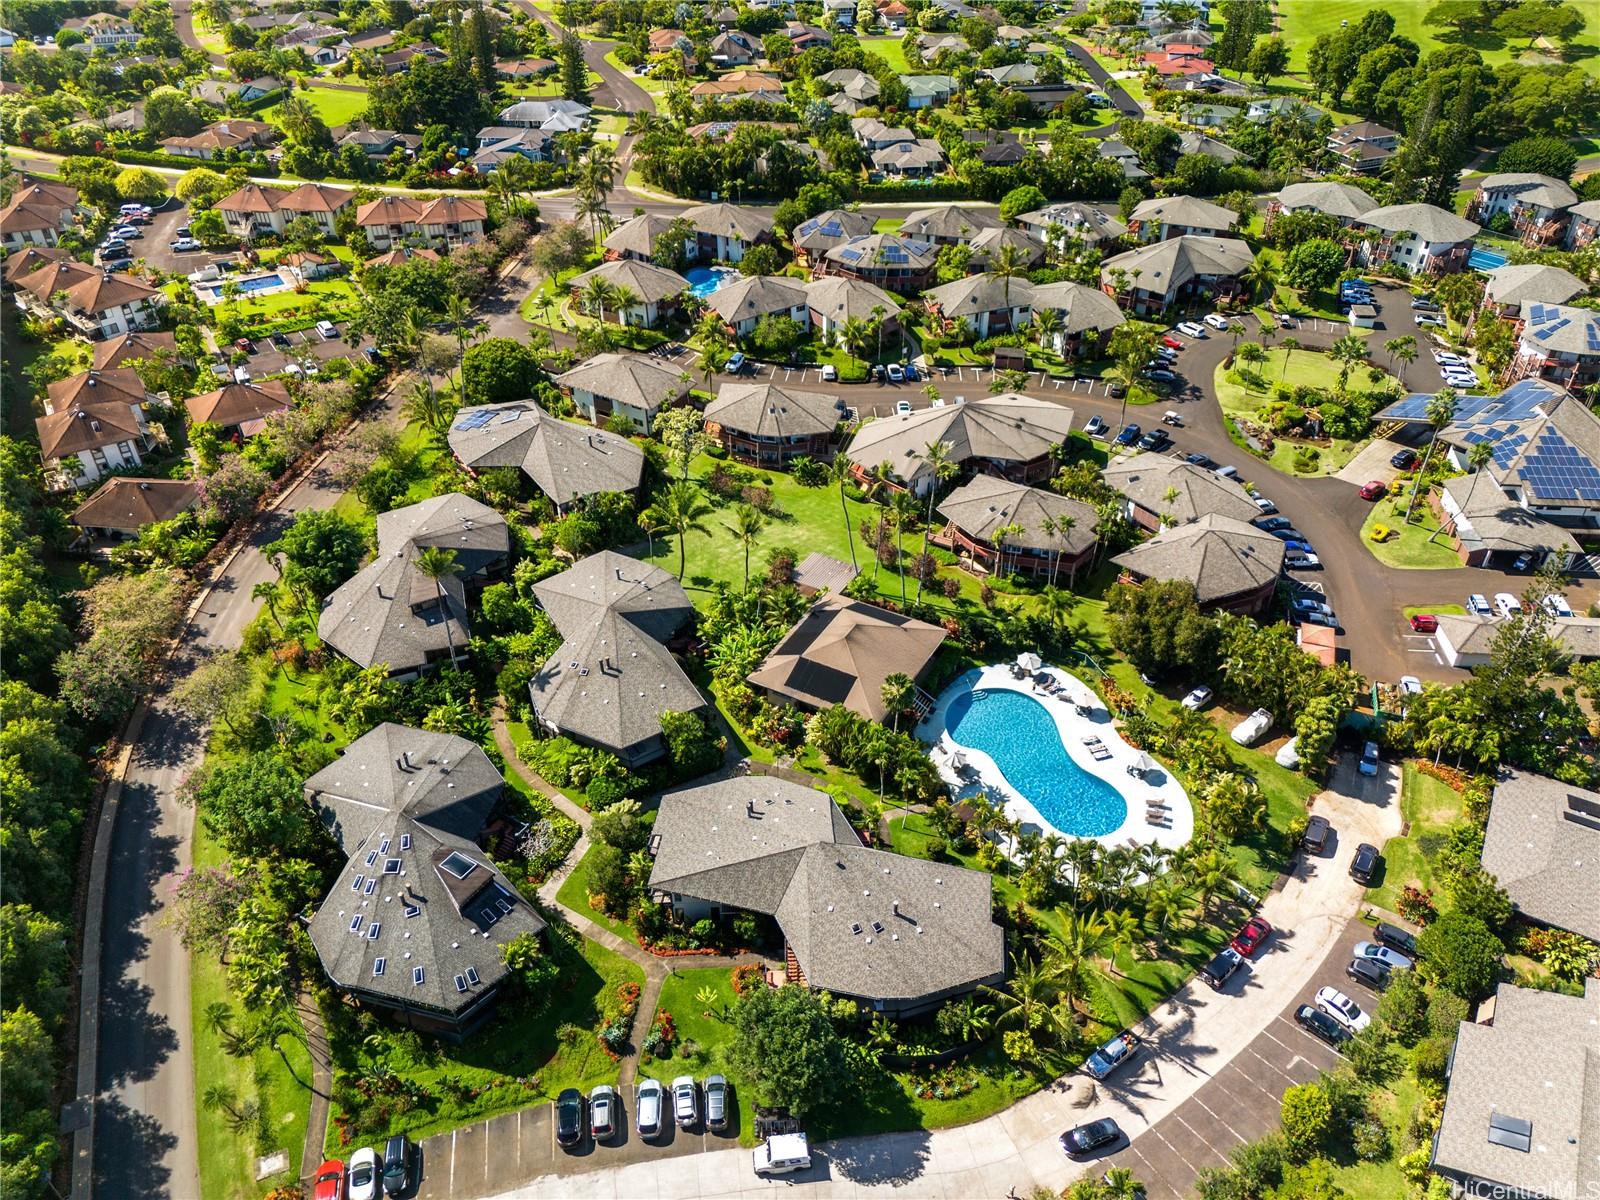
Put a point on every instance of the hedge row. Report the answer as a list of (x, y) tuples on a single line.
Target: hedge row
[(155, 158)]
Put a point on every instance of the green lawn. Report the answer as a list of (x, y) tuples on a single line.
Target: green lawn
[(704, 1036), (1437, 610), (1429, 807), (1300, 21), (1407, 546), (653, 86), (1293, 367), (574, 893), (890, 50), (335, 293), (334, 105)]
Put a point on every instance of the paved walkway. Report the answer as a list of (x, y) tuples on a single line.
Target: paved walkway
[(321, 1085)]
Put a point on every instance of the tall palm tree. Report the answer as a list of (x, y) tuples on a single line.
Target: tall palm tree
[(878, 314), (1007, 265), (1123, 932), (681, 509), (1046, 324), (422, 406), (438, 564), (1055, 606), (1441, 411), (897, 691), (1261, 276), (1347, 352), (623, 298), (840, 471), (1083, 857), (1290, 345), (903, 509), (458, 315), (1161, 905), (267, 591), (748, 522), (855, 333), (1069, 953), (597, 294), (936, 457)]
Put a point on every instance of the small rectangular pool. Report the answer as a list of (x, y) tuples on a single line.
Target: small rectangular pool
[(251, 285)]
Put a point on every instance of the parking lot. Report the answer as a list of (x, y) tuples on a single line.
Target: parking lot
[(154, 244), (306, 348)]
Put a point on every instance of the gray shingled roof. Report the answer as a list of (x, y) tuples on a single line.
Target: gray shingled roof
[(1220, 556), (1343, 200), (1534, 189), (756, 296), (728, 220), (842, 650), (1079, 219), (388, 613), (636, 380), (1082, 308), (1186, 210), (400, 802), (1502, 524), (1428, 222), (948, 221), (830, 228), (612, 678), (975, 294), (1006, 428), (766, 410), (566, 460), (1548, 863), (1533, 283), (861, 922), (985, 505), (1145, 479), (477, 533), (1539, 1063), (637, 235), (1168, 265), (838, 298), (650, 283)]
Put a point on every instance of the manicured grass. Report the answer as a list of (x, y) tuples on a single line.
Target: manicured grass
[(339, 292), (1437, 610), (1301, 21), (1429, 807), (335, 106), (574, 893), (704, 1031), (1407, 546), (1246, 395), (653, 86), (1393, 1106), (890, 50)]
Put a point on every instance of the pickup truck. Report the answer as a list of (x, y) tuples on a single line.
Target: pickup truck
[(1113, 1056)]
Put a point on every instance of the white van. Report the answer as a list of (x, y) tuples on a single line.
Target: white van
[(327, 330), (781, 1153)]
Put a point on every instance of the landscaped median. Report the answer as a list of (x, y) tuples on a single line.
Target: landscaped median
[(1417, 546)]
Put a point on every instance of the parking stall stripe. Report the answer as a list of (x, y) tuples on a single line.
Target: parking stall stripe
[(452, 1189), (1217, 1119), (1270, 1064), (1198, 1136), (1160, 1137), (1152, 1171)]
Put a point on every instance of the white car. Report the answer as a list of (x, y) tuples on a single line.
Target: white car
[(1216, 321), (1461, 379), (1265, 505), (1192, 329), (1385, 955), (830, 373), (241, 374), (1250, 730), (902, 408), (185, 244), (1508, 604), (1478, 605), (1342, 1009), (1197, 699), (1446, 359), (1433, 319), (364, 1174), (1410, 685), (1558, 606)]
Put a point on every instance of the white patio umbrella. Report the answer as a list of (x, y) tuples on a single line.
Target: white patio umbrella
[(1144, 764), (1029, 661)]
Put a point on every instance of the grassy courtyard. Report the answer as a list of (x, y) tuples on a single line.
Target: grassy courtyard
[(336, 106), (1429, 807), (704, 1036), (1408, 546), (890, 50)]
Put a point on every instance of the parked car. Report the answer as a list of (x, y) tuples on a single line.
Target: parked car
[(1315, 838), (1478, 605), (902, 408), (184, 244), (398, 1155), (1096, 428), (241, 374), (1117, 391), (1160, 375), (685, 1101), (1410, 685), (329, 1184), (1083, 1140), (1216, 321), (1388, 956), (1204, 461), (1171, 342), (281, 341), (1403, 459), (1321, 1025), (1285, 320), (1368, 973), (1265, 505), (647, 1107), (1365, 863), (1112, 1056), (1166, 354), (364, 1174), (897, 373), (909, 370), (1221, 968), (1155, 440), (1507, 605), (718, 1111), (1250, 730), (1424, 622), (1175, 419), (1342, 1009), (604, 1111), (1252, 937), (1286, 533), (1273, 524), (1424, 304), (244, 344), (1557, 605), (1192, 329), (1446, 359), (327, 330), (735, 364), (569, 1117), (1129, 435), (1198, 698), (1377, 489), (1369, 759), (830, 373), (1302, 560), (1298, 545), (1523, 562), (1225, 471), (1396, 938), (780, 1154), (127, 232)]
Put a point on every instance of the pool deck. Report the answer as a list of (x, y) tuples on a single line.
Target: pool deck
[(1176, 831), (210, 291)]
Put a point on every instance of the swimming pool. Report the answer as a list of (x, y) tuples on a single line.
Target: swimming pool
[(705, 280), (1022, 738), (249, 285), (1486, 260)]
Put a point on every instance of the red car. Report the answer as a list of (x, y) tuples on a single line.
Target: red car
[(1375, 490), (1248, 940), (330, 1181), (1424, 622), (1171, 342), (246, 345)]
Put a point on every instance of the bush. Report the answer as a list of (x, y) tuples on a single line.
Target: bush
[(1462, 954), (1307, 1113), (691, 747), (1371, 1140)]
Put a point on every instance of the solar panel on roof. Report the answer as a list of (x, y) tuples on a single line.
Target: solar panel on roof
[(474, 420)]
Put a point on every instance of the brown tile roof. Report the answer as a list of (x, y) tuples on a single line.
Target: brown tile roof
[(316, 197), (118, 350), (36, 207), (225, 135), (88, 288), (253, 198), (74, 429), (95, 387), (402, 254), (34, 258), (236, 403), (419, 210), (127, 504)]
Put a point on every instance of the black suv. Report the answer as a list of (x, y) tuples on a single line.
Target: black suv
[(1368, 973), (1403, 460), (1083, 1140), (569, 1117), (1316, 834), (397, 1156), (1364, 863), (1322, 1025), (1221, 968), (1396, 938)]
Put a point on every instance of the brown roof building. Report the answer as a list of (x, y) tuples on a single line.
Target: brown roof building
[(123, 505), (37, 214), (111, 354), (120, 384), (241, 406)]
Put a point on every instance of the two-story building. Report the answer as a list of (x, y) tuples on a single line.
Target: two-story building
[(217, 139), (723, 232), (1535, 204), (1152, 278), (888, 260), (767, 425), (38, 214), (440, 221), (254, 210), (1364, 146), (630, 386), (98, 304), (743, 303), (1421, 238), (1179, 216), (641, 293), (1559, 344), (102, 31), (1059, 224), (94, 424)]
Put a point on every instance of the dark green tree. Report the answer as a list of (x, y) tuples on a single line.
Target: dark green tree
[(320, 550), (787, 1044), (1462, 954)]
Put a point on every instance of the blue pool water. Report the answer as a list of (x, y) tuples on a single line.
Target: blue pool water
[(705, 280), (258, 283), (1486, 260), (1021, 736)]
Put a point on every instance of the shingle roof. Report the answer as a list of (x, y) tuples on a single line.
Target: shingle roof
[(650, 283), (36, 207), (1165, 266), (984, 505), (842, 650), (923, 152), (1429, 223), (633, 379), (1562, 329), (1004, 428), (1147, 478), (405, 805), (32, 259), (88, 289), (236, 403), (565, 460), (1343, 200), (1498, 523), (85, 427), (637, 235), (420, 210), (1192, 142), (755, 296), (948, 221), (95, 387), (861, 922), (253, 198), (883, 251), (1539, 1062), (1534, 189), (477, 533), (1186, 210), (830, 228), (1078, 219), (1524, 283), (389, 613), (1220, 556), (113, 352), (611, 678), (973, 294), (127, 504), (1082, 308), (838, 297), (316, 197), (767, 410), (987, 245), (1543, 845)]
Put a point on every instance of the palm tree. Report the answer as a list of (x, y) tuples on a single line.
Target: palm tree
[(1027, 1003), (748, 522), (897, 692), (1404, 348), (623, 298), (1056, 605), (1007, 265), (1347, 352), (422, 406), (903, 508), (841, 475), (1120, 1184), (1046, 324), (458, 315), (1214, 874), (878, 314), (1122, 933), (681, 509), (267, 590), (1252, 354), (438, 564), (936, 457), (1261, 276), (1083, 939), (596, 295), (1162, 905), (1082, 856), (855, 333), (1441, 411), (1290, 345)]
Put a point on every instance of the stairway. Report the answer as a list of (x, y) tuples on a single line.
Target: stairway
[(791, 967)]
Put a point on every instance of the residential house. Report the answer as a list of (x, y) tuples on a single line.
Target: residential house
[(102, 31), (723, 232), (933, 45), (834, 299), (94, 424), (1508, 290), (377, 143), (1466, 642), (1583, 224), (1001, 527), (741, 85), (127, 120), (1364, 147), (22, 263), (735, 48), (1086, 316), (767, 425), (398, 62), (391, 613), (1542, 839), (1523, 1086), (1060, 224), (401, 255), (1560, 344), (1179, 216), (440, 221), (816, 235), (900, 936), (1344, 202), (1152, 278), (1179, 59), (893, 14), (1210, 116), (522, 69), (1536, 206), (636, 237), (1190, 142), (308, 265), (888, 260), (1164, 491), (841, 12), (216, 140), (630, 386), (841, 652), (989, 304), (856, 89), (98, 304), (38, 214), (408, 808), (1546, 447), (253, 211), (1013, 37), (613, 676), (873, 134), (566, 461), (743, 303), (1263, 112), (240, 409), (1232, 564), (1124, 155), (122, 506), (1489, 529), (919, 159), (928, 91), (991, 243), (319, 201), (558, 116), (119, 385), (1204, 83), (1008, 435), (948, 224), (652, 293), (664, 41), (1003, 154), (805, 37), (119, 351), (498, 143)]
